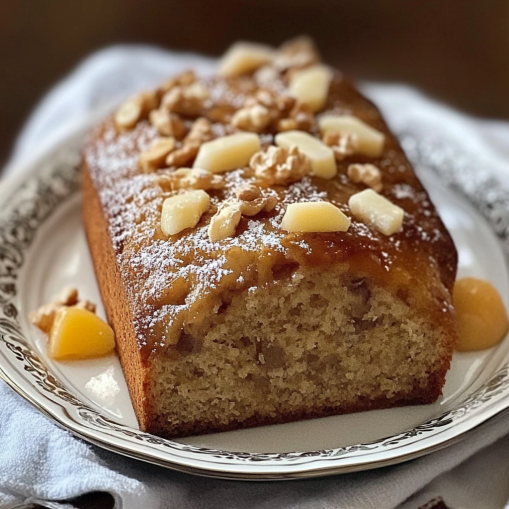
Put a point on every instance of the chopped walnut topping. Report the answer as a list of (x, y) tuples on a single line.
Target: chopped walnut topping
[(154, 157), (190, 178), (280, 165), (167, 124), (265, 108), (248, 192), (184, 79), (224, 222), (183, 156), (44, 317), (253, 207), (250, 201), (300, 118), (201, 131), (296, 53), (342, 144), (252, 118), (186, 100), (135, 109), (368, 174)]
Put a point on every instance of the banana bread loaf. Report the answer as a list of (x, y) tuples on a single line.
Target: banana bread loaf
[(264, 250)]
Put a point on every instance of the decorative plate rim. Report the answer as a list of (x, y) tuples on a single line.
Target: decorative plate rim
[(53, 177)]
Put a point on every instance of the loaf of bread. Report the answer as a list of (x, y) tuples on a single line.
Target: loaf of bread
[(264, 250)]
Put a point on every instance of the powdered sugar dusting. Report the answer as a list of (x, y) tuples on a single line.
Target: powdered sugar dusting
[(172, 282)]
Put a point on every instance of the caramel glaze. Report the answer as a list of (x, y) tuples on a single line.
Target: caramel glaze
[(172, 282)]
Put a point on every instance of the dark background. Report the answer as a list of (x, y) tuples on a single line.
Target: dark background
[(455, 50)]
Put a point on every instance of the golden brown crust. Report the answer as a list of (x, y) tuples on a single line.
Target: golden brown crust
[(114, 298)]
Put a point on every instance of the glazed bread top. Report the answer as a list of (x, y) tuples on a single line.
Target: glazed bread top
[(173, 280)]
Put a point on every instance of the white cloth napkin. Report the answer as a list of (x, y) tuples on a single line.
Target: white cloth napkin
[(40, 462)]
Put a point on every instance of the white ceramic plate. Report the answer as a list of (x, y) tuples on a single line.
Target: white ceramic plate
[(43, 249)]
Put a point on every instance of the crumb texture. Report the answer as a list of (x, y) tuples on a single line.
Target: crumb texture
[(316, 344)]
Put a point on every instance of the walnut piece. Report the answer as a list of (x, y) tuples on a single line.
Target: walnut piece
[(183, 156), (249, 202), (300, 118), (186, 100), (190, 178), (342, 144), (135, 109), (167, 124), (44, 317), (368, 174), (183, 79), (224, 222), (155, 156), (248, 192), (67, 297), (280, 165), (264, 108), (252, 201), (264, 203), (253, 118), (201, 132)]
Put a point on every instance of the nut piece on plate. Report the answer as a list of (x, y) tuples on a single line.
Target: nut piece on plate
[(77, 333), (320, 216), (244, 57), (43, 318), (368, 140), (190, 178), (227, 153), (480, 314), (183, 211), (377, 211), (311, 85), (155, 156), (368, 174), (321, 156)]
